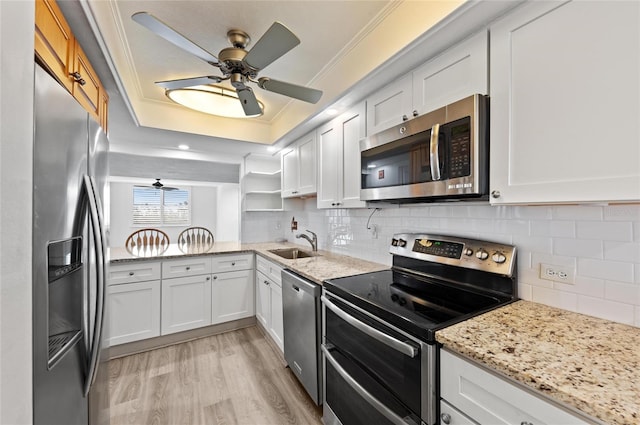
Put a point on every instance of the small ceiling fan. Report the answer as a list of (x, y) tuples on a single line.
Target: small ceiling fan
[(237, 65), (160, 186)]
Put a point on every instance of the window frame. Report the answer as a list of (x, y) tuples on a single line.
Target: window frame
[(162, 221)]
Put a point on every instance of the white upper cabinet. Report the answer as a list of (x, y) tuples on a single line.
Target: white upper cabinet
[(339, 160), (261, 183), (455, 74), (565, 103), (390, 105), (299, 167), (458, 72)]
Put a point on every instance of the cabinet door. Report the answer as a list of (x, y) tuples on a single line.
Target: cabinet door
[(263, 300), (353, 129), (565, 79), (329, 159), (134, 311), (277, 323), (186, 303), (54, 41), (290, 172), (488, 399), (307, 164), (232, 296), (455, 74), (389, 105), (186, 267), (233, 262), (138, 271), (86, 86)]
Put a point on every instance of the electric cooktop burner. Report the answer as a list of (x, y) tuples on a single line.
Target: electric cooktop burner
[(435, 281)]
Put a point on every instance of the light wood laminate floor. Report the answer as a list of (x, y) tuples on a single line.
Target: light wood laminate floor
[(230, 378)]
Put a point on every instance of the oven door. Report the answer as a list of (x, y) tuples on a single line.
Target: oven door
[(374, 373)]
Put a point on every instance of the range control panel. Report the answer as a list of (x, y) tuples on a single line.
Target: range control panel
[(462, 252)]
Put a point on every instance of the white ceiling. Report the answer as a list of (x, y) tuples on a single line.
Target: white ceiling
[(342, 42)]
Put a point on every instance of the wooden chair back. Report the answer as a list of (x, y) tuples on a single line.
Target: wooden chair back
[(145, 242), (195, 239)]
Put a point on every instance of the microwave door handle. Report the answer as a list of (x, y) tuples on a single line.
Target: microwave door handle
[(434, 153), (362, 392), (388, 340)]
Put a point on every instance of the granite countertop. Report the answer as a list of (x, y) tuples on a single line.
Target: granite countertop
[(581, 361), (321, 266)]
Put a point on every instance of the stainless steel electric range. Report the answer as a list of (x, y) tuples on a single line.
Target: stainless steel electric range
[(380, 355)]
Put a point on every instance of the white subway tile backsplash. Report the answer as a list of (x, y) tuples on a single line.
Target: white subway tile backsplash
[(611, 310), (622, 292), (622, 251), (605, 230), (590, 248), (554, 298), (608, 270), (602, 243), (577, 212)]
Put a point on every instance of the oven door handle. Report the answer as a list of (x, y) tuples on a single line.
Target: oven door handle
[(396, 344), (362, 392)]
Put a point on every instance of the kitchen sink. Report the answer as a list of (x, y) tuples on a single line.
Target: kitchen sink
[(292, 253)]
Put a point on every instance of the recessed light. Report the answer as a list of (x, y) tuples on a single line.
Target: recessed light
[(183, 147), (271, 149), (332, 111), (371, 166)]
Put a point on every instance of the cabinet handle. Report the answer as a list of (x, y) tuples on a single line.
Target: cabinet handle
[(78, 78), (495, 194), (446, 418), (131, 273), (525, 423), (188, 268), (405, 118), (333, 204), (233, 264), (215, 277), (266, 282), (208, 278), (415, 112)]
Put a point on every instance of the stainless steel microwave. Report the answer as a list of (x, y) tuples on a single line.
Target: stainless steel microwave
[(441, 155)]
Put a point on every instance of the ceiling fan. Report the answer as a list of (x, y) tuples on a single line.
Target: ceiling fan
[(160, 186), (237, 65)]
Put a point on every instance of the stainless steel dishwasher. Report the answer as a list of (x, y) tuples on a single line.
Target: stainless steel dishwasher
[(301, 304)]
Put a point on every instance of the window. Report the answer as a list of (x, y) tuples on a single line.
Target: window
[(153, 207)]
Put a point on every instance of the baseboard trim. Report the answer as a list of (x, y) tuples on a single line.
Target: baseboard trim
[(136, 347)]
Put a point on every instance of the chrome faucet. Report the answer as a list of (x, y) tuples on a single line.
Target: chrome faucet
[(313, 242)]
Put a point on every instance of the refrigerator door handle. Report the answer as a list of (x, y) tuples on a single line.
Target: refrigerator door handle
[(98, 235)]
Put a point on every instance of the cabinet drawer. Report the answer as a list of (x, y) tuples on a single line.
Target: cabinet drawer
[(489, 399), (451, 416), (133, 272), (269, 269), (186, 267), (227, 263)]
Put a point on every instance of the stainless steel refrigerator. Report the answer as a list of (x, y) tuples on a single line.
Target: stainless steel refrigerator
[(70, 377)]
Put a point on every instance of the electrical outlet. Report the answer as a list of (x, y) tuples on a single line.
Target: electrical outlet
[(555, 273)]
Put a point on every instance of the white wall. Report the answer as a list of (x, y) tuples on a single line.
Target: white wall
[(602, 243), (212, 206), (16, 158)]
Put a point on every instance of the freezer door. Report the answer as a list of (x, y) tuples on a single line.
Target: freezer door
[(60, 162)]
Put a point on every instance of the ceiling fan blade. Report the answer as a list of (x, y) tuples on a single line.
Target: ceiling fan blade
[(292, 90), (168, 188), (274, 43), (188, 82), (248, 101), (158, 27)]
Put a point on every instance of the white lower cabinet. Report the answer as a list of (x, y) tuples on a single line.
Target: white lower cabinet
[(269, 301), (186, 303), (449, 415), (134, 311), (475, 393), (232, 296)]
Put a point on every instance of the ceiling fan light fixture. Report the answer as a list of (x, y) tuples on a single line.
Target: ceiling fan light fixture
[(211, 99)]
